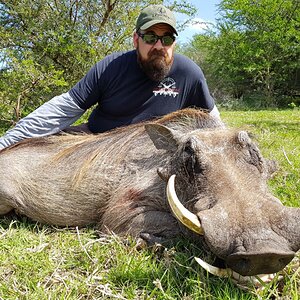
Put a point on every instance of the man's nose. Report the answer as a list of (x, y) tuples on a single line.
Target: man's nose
[(158, 44)]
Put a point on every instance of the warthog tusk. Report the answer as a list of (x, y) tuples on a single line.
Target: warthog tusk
[(186, 217), (224, 273), (257, 281)]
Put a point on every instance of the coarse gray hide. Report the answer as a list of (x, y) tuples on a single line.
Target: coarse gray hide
[(118, 180)]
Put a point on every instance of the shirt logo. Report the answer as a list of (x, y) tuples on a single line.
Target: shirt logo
[(167, 87)]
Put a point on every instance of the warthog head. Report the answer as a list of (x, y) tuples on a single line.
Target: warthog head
[(221, 181)]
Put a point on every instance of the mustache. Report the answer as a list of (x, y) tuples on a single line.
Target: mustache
[(156, 53), (156, 65)]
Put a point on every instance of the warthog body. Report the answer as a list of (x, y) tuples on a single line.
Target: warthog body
[(118, 181)]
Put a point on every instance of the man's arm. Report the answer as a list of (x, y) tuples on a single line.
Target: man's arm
[(52, 117)]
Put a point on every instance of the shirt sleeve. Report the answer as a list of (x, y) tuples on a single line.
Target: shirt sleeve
[(96, 84), (87, 91), (215, 113), (91, 89), (197, 93), (51, 117), (205, 99)]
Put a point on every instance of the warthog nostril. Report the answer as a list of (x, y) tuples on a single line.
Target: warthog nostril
[(284, 261), (243, 264)]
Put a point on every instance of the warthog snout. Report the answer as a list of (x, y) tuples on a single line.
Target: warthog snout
[(259, 263)]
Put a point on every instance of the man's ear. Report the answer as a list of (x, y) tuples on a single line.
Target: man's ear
[(135, 39)]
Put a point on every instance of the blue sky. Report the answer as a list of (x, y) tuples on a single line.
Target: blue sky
[(207, 12)]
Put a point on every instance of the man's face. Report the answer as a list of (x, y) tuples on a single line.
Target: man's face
[(155, 60)]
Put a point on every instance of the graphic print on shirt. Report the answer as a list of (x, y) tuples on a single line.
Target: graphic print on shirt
[(167, 87)]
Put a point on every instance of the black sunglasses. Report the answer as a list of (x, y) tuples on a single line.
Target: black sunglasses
[(152, 38)]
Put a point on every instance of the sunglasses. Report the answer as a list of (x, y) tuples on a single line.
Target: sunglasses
[(152, 38)]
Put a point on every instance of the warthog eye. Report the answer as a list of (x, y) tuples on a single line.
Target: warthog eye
[(252, 154), (255, 158), (192, 164), (188, 149)]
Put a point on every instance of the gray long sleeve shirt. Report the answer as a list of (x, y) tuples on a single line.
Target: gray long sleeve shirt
[(52, 117)]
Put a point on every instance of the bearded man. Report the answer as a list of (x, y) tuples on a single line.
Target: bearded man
[(126, 87)]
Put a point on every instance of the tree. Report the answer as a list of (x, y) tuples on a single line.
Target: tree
[(47, 45), (255, 48), (270, 40), (225, 76)]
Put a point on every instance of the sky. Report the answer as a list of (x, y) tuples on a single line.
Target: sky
[(207, 12)]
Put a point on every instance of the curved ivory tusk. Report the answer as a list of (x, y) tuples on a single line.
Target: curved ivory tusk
[(187, 218), (258, 280), (224, 273)]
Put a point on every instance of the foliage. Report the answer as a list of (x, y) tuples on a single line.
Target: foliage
[(47, 46), (254, 49), (44, 262)]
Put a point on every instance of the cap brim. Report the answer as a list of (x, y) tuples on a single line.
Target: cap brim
[(153, 22)]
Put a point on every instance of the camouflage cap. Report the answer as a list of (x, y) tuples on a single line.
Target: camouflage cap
[(154, 14)]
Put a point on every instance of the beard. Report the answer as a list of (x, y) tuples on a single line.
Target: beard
[(157, 65)]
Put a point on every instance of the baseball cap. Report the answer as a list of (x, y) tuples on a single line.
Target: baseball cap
[(154, 14)]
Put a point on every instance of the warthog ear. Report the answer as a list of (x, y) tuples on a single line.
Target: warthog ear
[(162, 136)]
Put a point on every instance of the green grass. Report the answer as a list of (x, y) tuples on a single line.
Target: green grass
[(44, 262)]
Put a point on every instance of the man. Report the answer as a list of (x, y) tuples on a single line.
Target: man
[(127, 87)]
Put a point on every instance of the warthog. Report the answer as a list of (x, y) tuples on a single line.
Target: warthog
[(118, 180)]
